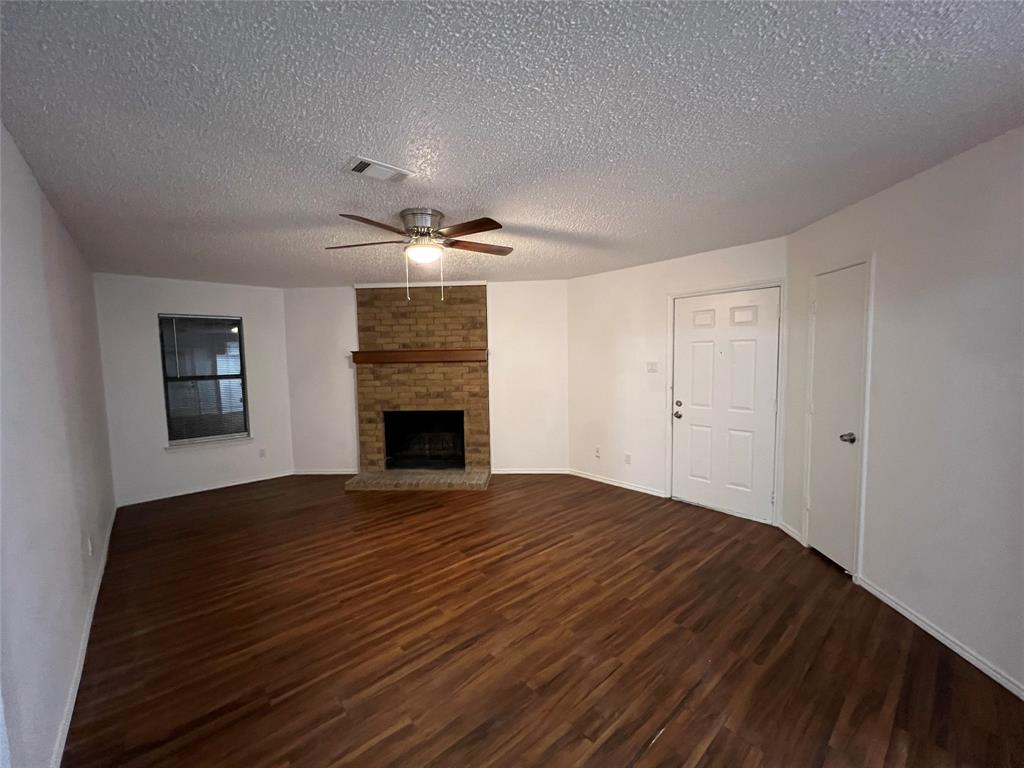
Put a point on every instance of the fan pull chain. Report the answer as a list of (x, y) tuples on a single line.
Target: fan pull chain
[(407, 296), (442, 274)]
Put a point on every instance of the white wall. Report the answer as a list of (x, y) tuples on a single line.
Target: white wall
[(527, 338), (144, 467), (944, 502), (321, 334), (57, 490), (618, 322), (5, 748), (527, 335)]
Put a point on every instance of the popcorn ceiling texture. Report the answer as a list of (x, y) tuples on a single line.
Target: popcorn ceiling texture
[(209, 140)]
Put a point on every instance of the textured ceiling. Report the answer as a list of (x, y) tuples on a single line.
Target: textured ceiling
[(209, 141)]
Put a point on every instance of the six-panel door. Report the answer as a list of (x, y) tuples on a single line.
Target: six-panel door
[(725, 383)]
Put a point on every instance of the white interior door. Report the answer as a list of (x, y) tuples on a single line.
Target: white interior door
[(836, 412), (724, 393)]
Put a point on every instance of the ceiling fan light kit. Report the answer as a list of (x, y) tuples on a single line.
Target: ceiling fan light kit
[(423, 250), (427, 239)]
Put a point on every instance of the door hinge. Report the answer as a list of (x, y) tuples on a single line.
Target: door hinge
[(773, 498)]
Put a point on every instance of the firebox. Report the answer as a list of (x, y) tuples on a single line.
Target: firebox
[(424, 440)]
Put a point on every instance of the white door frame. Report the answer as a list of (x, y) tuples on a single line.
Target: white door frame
[(670, 336), (869, 323)]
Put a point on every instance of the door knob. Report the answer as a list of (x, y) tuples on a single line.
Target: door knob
[(848, 437), (677, 414)]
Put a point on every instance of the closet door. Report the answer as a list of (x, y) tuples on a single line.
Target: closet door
[(836, 412)]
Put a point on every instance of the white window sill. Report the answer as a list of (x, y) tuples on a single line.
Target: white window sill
[(199, 442)]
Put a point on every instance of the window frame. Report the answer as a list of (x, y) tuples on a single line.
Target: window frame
[(247, 434)]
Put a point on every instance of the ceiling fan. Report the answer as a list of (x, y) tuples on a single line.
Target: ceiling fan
[(424, 237)]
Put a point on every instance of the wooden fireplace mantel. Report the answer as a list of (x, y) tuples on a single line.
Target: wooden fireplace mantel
[(385, 356)]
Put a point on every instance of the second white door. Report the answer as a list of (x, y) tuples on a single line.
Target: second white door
[(836, 412), (725, 385)]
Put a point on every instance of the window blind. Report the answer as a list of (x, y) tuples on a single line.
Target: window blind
[(204, 377)]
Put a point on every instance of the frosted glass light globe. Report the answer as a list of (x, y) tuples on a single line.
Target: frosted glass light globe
[(424, 251)]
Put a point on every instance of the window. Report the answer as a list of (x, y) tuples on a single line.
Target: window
[(204, 377)]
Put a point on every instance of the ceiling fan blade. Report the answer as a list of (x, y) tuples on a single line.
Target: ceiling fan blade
[(359, 245), (469, 245), (372, 223), (469, 227)]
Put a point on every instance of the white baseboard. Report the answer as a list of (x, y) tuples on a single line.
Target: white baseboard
[(730, 512), (619, 483), (83, 644), (530, 471), (210, 487), (787, 528), (494, 471), (1014, 686), (344, 471), (585, 475)]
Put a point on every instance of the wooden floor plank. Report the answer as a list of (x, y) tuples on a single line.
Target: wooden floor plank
[(547, 621)]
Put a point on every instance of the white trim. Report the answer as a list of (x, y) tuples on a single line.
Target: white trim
[(425, 284), (724, 511), (774, 282), (239, 318), (1014, 686), (778, 491), (866, 404), (343, 471), (69, 706), (805, 477), (778, 476), (805, 480), (531, 471), (585, 476), (200, 442), (213, 487), (787, 528), (670, 378), (619, 483), (353, 471)]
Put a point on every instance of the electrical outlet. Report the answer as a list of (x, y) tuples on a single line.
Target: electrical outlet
[(597, 452), (628, 458), (652, 366), (263, 453)]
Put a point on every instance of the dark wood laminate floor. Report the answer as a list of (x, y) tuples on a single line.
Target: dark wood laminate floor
[(548, 621)]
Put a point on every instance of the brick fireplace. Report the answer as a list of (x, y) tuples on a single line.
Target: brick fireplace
[(422, 355)]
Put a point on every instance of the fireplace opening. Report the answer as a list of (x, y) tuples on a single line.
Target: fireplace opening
[(424, 440)]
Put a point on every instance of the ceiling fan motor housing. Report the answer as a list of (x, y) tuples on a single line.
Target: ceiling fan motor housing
[(421, 221)]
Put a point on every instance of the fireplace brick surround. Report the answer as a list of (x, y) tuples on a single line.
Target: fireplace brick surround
[(389, 322)]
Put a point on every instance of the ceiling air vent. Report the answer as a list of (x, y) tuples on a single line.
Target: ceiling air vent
[(375, 169)]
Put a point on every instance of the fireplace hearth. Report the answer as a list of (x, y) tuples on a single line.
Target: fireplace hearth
[(424, 440)]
